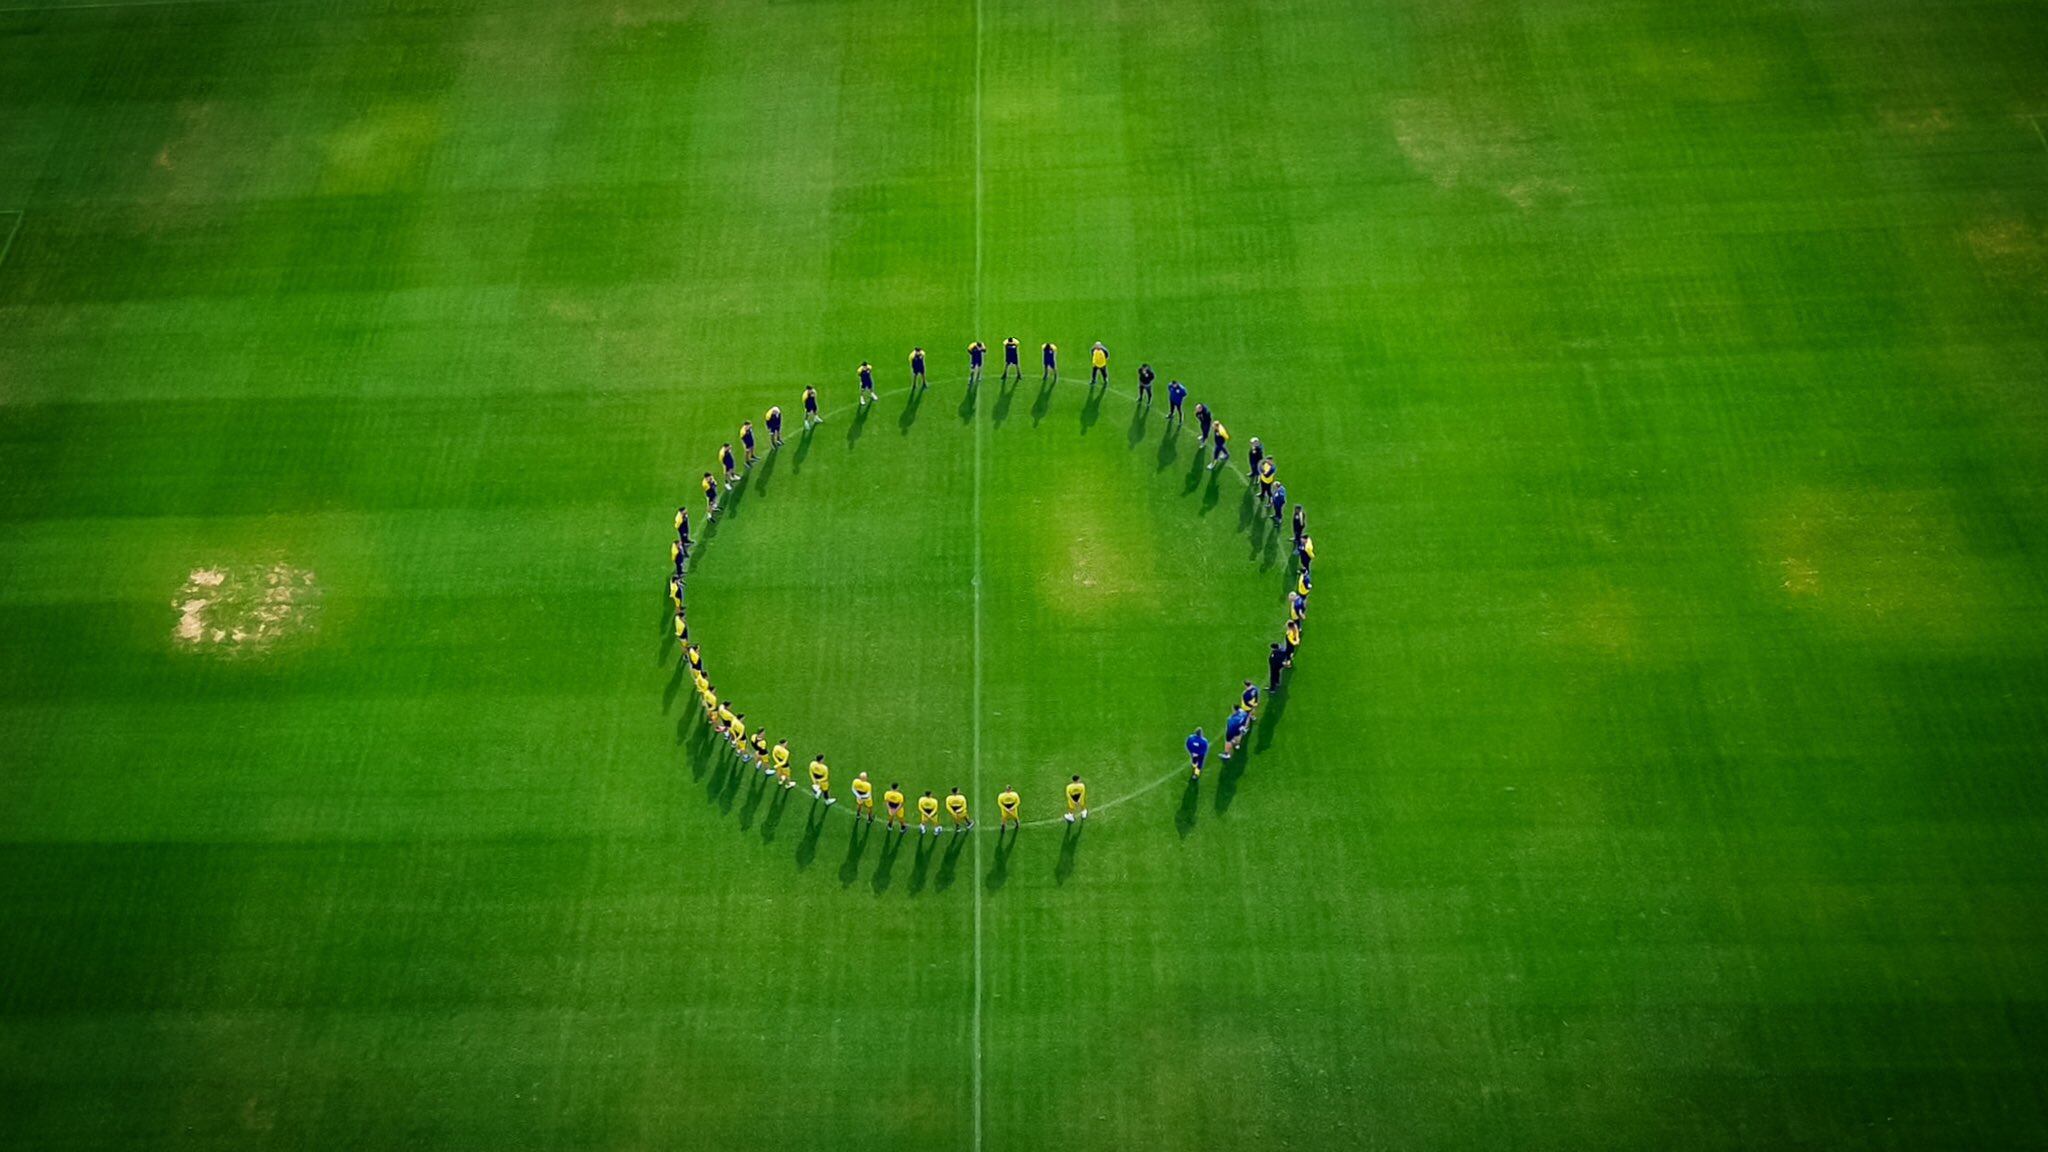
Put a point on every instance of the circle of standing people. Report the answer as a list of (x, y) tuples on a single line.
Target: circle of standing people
[(750, 745)]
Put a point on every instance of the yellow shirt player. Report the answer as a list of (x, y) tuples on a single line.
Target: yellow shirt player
[(760, 746), (928, 814), (780, 756), (710, 700), (892, 802), (1006, 809), (864, 797), (956, 807), (725, 718), (682, 628), (1098, 364), (821, 780), (736, 729), (1077, 800)]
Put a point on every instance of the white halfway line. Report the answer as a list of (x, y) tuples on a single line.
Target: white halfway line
[(976, 1014)]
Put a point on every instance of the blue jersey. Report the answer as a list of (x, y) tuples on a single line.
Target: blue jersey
[(1251, 695), (1239, 721), (1198, 747), (1279, 498), (1176, 393), (867, 378), (917, 361), (974, 354)]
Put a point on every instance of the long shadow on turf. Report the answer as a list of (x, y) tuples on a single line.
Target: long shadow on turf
[(910, 407), (758, 478), (1190, 806), (949, 862), (885, 866), (1270, 722), (1214, 494), (921, 863), (1006, 391), (674, 687), (1169, 445), (1070, 847), (858, 424), (967, 403), (1091, 410), (856, 846), (776, 808), (1139, 411), (1193, 479), (999, 871), (1043, 403), (814, 827), (757, 790), (1226, 781)]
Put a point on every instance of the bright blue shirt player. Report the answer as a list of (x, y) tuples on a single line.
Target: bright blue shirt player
[(1234, 730), (1176, 392), (1279, 502), (1198, 750)]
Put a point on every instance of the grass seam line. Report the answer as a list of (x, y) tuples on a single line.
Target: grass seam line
[(975, 1057)]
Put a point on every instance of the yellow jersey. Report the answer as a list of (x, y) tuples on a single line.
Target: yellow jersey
[(893, 799), (682, 627), (927, 807), (781, 755), (1221, 433), (1009, 801), (1100, 359), (1077, 794), (863, 788), (956, 804), (739, 728), (820, 773)]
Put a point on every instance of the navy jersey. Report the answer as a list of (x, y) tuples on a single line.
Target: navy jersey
[(811, 400), (1176, 392), (974, 352), (1197, 747), (725, 458), (917, 361), (1009, 351), (867, 377), (1251, 695), (1239, 721)]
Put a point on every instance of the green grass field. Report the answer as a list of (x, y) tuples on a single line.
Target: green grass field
[(1663, 765)]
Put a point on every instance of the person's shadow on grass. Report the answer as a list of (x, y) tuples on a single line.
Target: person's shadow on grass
[(1169, 446), (1043, 403), (1226, 781), (1091, 411), (999, 871), (674, 687), (910, 407), (949, 861), (1213, 495), (1070, 847), (921, 863), (757, 790), (1006, 391), (967, 403), (892, 843), (856, 846), (1193, 479), (1190, 807), (859, 423), (803, 450), (1137, 431), (776, 807), (814, 827), (763, 470), (1276, 707)]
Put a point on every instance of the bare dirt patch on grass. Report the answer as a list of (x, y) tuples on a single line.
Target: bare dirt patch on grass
[(1456, 149), (244, 611)]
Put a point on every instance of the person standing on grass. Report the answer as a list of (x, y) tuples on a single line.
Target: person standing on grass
[(1145, 384), (1077, 800), (710, 498), (683, 530), (1234, 729), (975, 352), (821, 781), (1010, 349), (747, 441), (1176, 393), (928, 814), (1250, 697), (1098, 365), (1292, 643), (917, 367), (1198, 752), (774, 422), (1269, 475), (956, 810), (811, 417), (892, 802), (1305, 552), (1051, 371), (1279, 499), (1255, 456), (1275, 661), (1202, 419), (1007, 803), (1300, 523), (726, 461), (863, 797), (867, 383), (1222, 446)]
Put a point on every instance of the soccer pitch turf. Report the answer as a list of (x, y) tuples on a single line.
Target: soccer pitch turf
[(1662, 766)]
